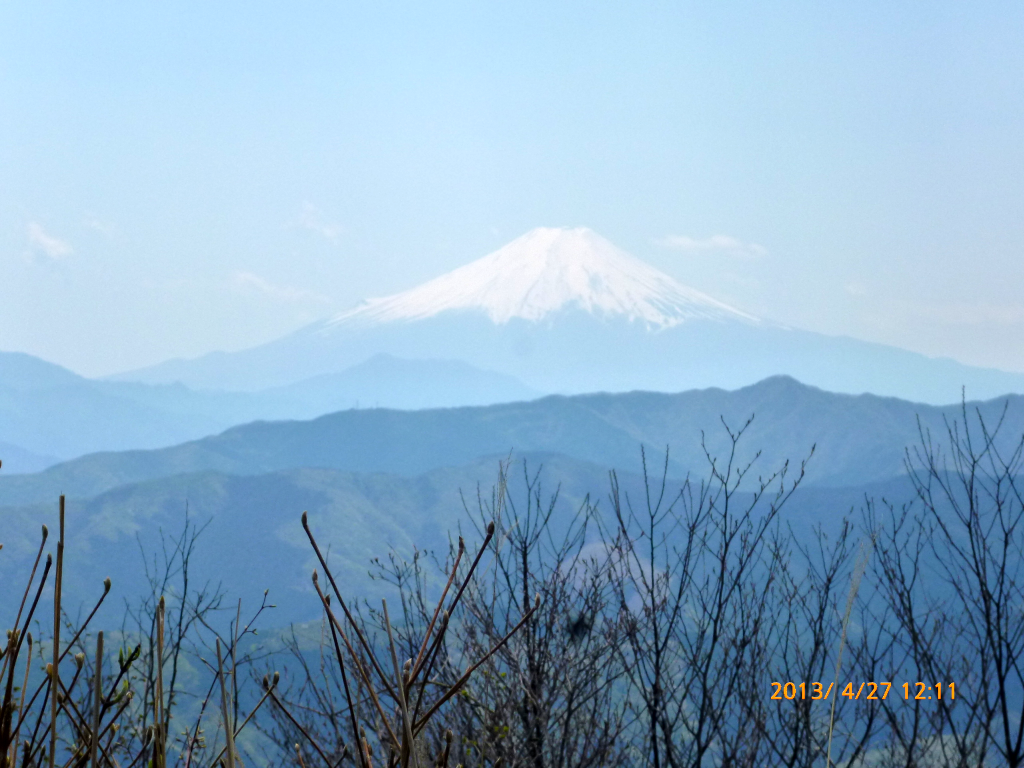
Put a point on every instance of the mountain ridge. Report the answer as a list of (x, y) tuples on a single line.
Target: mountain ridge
[(858, 438), (49, 414)]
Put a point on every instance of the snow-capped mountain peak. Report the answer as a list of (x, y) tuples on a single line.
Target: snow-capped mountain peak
[(546, 270)]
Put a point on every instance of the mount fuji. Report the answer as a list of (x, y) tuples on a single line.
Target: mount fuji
[(541, 273), (565, 311)]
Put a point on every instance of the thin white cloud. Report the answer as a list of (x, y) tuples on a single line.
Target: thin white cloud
[(856, 288), (311, 219), (248, 281), (44, 244), (715, 243), (102, 227)]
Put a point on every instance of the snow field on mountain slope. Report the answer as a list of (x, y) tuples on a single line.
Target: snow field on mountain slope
[(546, 270)]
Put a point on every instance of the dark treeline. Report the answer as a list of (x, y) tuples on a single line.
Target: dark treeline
[(678, 626)]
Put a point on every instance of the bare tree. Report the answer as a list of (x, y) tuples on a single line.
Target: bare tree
[(172, 594), (544, 695), (807, 704), (951, 567), (395, 701), (693, 578), (550, 698), (103, 712)]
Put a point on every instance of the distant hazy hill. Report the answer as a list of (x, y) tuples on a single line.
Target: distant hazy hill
[(565, 311), (254, 540), (17, 460), (860, 439), (48, 413), (389, 382), (48, 410)]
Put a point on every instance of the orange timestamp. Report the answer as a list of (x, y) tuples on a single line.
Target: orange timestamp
[(869, 691)]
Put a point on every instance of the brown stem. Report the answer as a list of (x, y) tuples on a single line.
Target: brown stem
[(44, 685), (344, 607), (98, 686), (344, 682), (229, 731), (355, 659), (28, 587), (407, 746), (462, 680), (21, 706), (78, 720), (245, 722), (302, 730), (55, 673), (437, 610), (465, 582), (430, 663)]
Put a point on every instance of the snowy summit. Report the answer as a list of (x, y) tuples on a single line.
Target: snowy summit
[(546, 270)]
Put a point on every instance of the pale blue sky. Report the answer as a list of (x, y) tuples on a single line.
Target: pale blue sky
[(178, 180)]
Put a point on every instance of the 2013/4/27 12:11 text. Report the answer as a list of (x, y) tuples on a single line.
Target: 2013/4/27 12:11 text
[(874, 691)]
